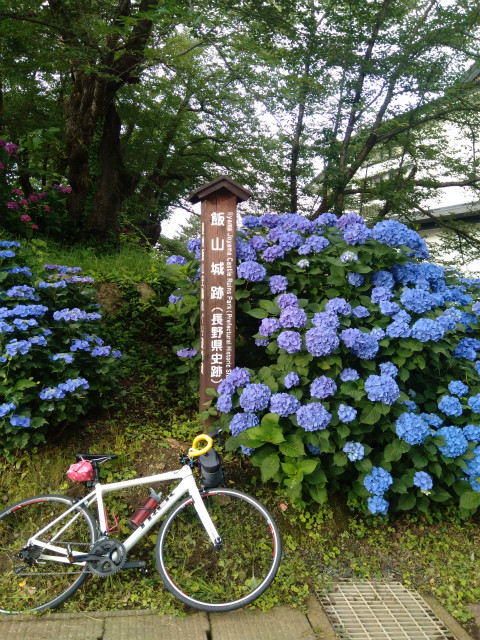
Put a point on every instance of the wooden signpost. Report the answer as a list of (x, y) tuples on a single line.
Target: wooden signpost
[(218, 271)]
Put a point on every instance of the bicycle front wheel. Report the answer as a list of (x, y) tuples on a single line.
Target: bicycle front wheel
[(226, 579), (32, 579)]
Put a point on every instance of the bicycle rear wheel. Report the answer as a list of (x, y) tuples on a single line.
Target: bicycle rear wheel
[(219, 580), (29, 580)]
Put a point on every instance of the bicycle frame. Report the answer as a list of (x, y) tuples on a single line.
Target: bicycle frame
[(187, 485)]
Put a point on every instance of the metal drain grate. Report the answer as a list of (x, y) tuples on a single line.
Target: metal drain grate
[(381, 611)]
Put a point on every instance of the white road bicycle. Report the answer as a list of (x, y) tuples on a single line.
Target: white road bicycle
[(218, 549)]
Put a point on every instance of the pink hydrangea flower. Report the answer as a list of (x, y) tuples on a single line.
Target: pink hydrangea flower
[(1, 166), (19, 192), (33, 197), (25, 218), (12, 205), (46, 207), (34, 226), (23, 202), (10, 147)]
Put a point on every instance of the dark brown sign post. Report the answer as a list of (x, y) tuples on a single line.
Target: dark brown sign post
[(218, 271)]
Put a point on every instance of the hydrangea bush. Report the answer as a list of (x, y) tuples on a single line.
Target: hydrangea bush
[(55, 366), (41, 211), (359, 367)]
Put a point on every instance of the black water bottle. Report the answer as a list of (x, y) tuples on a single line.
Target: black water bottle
[(211, 469)]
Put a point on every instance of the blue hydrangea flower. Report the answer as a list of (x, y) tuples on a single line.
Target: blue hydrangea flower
[(412, 428), (346, 413), (398, 329), (456, 443), (349, 374), (467, 348), (259, 342), (194, 246), (382, 389), (432, 419), (291, 341), (20, 421), (186, 353), (5, 408), (247, 451), (278, 284), (252, 271), (258, 243), (396, 234), (417, 300), (293, 318), (389, 308), (473, 465), (269, 326), (450, 406), (426, 329), (380, 294), (326, 320), (377, 504), (289, 240), (472, 433), (458, 388), (176, 260), (224, 403), (245, 251), (338, 305), (348, 256), (291, 380), (362, 344), (237, 377), (383, 279), (423, 481), (348, 219), (323, 387), (357, 233), (355, 279), (284, 404), (313, 449), (273, 253), (313, 417), (388, 369), (378, 481), (474, 403), (242, 421), (287, 300), (360, 312), (255, 397), (354, 450), (321, 342)]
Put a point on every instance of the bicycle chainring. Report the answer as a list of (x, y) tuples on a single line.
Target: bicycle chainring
[(113, 557)]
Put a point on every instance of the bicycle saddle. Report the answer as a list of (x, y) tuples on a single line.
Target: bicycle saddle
[(96, 457)]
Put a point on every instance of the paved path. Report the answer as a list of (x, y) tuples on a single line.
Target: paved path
[(281, 623)]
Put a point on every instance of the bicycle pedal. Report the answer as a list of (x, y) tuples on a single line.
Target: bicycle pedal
[(140, 564)]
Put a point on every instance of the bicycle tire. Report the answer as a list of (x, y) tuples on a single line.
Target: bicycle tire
[(43, 584), (210, 580)]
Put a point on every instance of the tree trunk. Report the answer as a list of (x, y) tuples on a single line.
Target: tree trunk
[(97, 174)]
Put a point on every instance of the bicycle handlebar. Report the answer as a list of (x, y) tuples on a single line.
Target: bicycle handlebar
[(193, 452)]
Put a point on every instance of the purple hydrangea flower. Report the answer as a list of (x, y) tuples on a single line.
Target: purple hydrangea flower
[(176, 260), (349, 374), (291, 380), (255, 397), (259, 243), (289, 240), (284, 404), (273, 253), (360, 312), (287, 300), (388, 369), (269, 326), (293, 318), (323, 387), (313, 417), (186, 353), (320, 341), (357, 234), (326, 320), (252, 271), (291, 341), (242, 421), (237, 377), (380, 294), (278, 284), (338, 305), (224, 403)]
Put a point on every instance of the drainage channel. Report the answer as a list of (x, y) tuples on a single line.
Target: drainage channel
[(371, 610)]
